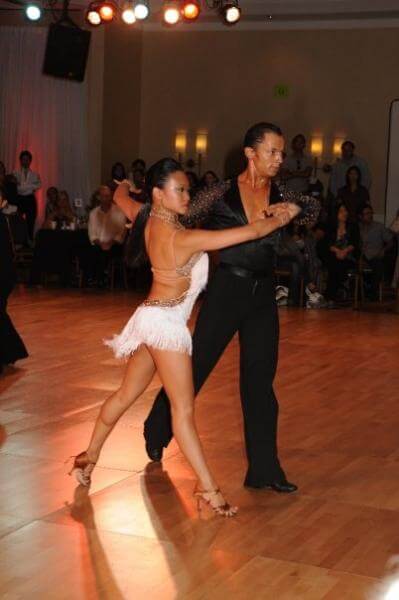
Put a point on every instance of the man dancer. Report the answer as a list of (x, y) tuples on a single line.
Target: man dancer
[(240, 297)]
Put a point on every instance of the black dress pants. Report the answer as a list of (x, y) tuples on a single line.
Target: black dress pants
[(236, 304)]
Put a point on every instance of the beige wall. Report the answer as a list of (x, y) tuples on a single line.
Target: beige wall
[(340, 83), (121, 103)]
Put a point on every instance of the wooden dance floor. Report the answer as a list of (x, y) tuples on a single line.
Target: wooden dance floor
[(136, 534)]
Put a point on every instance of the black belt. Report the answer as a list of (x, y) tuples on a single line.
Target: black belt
[(246, 273)]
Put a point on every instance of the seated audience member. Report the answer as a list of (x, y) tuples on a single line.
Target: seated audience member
[(8, 186), (375, 238), (342, 252), (353, 195), (94, 200), (298, 253), (51, 201), (28, 182), (297, 167), (340, 168), (118, 173), (139, 165), (60, 212), (193, 181), (106, 232), (208, 179), (137, 182)]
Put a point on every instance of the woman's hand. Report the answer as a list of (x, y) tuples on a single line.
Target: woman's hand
[(284, 211)]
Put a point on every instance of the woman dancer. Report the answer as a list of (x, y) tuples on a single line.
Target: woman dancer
[(156, 338)]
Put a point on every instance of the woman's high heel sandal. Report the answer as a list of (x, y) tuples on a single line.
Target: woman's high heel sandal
[(209, 497), (82, 468)]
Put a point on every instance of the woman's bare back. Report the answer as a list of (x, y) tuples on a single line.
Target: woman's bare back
[(170, 278)]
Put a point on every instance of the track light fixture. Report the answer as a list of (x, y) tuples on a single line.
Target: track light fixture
[(190, 10), (107, 12), (93, 17), (128, 15), (230, 12), (100, 12), (33, 12), (141, 10), (171, 12)]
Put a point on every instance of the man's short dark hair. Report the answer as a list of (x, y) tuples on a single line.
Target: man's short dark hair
[(139, 164), (348, 143), (25, 153), (256, 133), (298, 136)]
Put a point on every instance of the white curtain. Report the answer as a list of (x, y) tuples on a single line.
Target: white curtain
[(42, 114)]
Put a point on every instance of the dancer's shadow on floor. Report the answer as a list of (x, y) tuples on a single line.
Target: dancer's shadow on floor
[(97, 573), (189, 538)]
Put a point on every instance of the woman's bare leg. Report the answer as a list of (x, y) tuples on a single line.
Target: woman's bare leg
[(175, 372), (138, 375)]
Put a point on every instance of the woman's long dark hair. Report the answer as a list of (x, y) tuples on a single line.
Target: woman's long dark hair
[(156, 177), (359, 175)]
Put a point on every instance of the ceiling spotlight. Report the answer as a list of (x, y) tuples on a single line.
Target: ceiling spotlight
[(191, 10), (128, 15), (141, 10), (33, 12), (92, 15), (231, 12), (171, 13), (107, 12)]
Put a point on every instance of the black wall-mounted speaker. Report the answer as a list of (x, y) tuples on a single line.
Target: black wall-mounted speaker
[(66, 52)]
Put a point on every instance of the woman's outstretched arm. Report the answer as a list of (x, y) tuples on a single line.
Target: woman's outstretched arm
[(200, 239)]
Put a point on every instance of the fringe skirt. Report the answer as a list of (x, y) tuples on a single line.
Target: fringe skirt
[(160, 327)]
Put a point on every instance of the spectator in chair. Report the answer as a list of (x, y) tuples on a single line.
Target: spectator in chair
[(51, 200), (60, 212), (375, 238), (118, 173), (208, 179), (106, 233), (343, 251), (353, 195)]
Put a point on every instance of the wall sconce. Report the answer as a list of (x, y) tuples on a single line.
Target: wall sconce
[(180, 144), (201, 146), (316, 147), (337, 147)]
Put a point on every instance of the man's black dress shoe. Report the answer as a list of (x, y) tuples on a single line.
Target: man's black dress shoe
[(283, 486), (280, 485), (154, 454)]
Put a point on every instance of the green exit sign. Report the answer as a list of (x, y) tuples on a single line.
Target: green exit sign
[(281, 91)]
